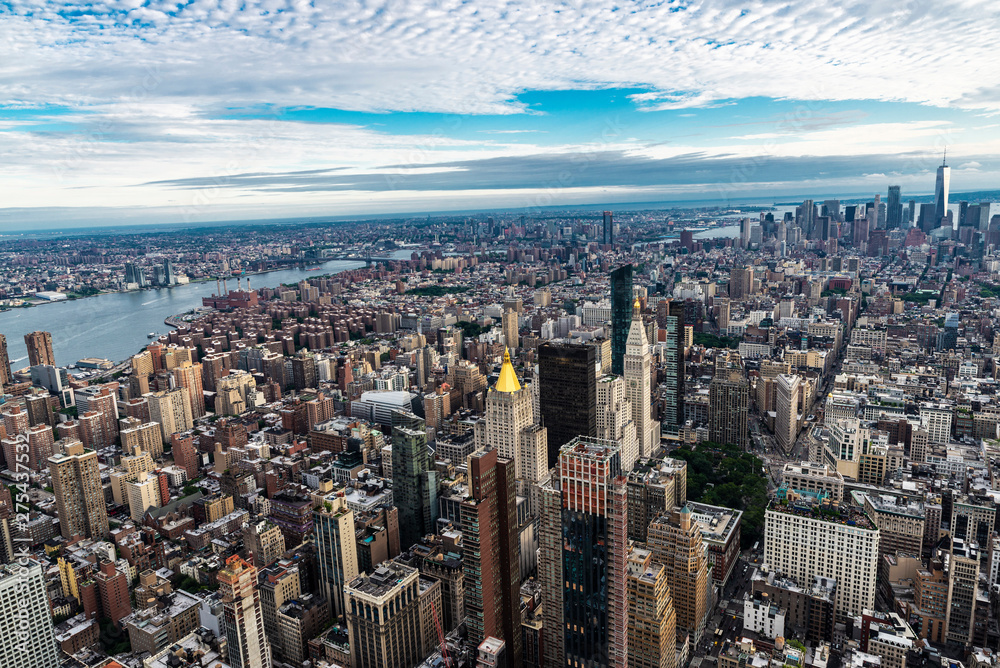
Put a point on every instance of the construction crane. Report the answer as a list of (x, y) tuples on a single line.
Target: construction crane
[(444, 645)]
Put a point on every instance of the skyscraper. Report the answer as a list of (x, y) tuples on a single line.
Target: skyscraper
[(621, 315), (39, 348), (676, 542), (941, 186), (414, 479), (26, 635), (615, 420), (188, 377), (510, 329), (584, 574), (608, 236), (76, 484), (243, 618), (894, 209), (728, 404), (673, 412), (652, 621), (507, 425), (638, 383), (4, 362), (383, 617), (336, 550), (786, 404), (171, 409), (567, 392), (490, 553)]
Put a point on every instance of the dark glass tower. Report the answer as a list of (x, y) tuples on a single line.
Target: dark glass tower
[(608, 236), (414, 480), (568, 393), (673, 414), (621, 316), (894, 209), (590, 614)]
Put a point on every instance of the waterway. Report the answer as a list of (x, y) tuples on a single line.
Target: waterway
[(115, 326)]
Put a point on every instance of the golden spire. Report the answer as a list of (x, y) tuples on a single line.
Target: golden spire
[(508, 379), (636, 307)]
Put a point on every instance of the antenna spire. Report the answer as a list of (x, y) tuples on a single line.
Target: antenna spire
[(944, 161)]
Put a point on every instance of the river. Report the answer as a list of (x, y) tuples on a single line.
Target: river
[(114, 326)]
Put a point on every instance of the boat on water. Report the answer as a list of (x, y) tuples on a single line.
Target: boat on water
[(151, 335)]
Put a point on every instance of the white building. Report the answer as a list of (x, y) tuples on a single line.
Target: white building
[(762, 616), (842, 545), (26, 635)]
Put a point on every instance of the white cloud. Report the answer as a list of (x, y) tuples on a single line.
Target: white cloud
[(473, 57)]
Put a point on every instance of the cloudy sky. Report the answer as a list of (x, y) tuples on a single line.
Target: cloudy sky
[(127, 111)]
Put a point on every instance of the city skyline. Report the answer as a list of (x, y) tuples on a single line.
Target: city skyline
[(205, 113)]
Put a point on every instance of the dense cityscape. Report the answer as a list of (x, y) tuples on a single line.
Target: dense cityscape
[(660, 438)]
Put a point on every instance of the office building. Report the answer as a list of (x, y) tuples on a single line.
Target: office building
[(510, 329), (243, 617), (941, 185), (655, 486), (652, 621), (615, 419), (608, 230), (638, 386), (336, 549), (490, 553), (621, 316), (39, 348), (264, 542), (786, 405), (304, 373), (584, 556), (963, 590), (567, 393), (675, 540), (840, 543), (277, 585), (26, 635), (76, 484), (728, 405), (673, 383), (414, 479), (894, 209), (383, 617), (508, 426)]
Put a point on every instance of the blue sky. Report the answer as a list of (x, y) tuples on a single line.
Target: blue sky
[(130, 111)]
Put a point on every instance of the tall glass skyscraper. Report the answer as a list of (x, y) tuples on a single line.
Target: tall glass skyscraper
[(583, 571), (941, 191), (894, 209), (567, 394), (414, 480), (621, 316)]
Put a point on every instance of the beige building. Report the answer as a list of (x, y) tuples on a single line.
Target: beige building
[(243, 622), (263, 541), (826, 546), (234, 394), (143, 493), (814, 478), (76, 483), (786, 408), (901, 524), (137, 435), (675, 541), (652, 621), (279, 583), (171, 409), (383, 617)]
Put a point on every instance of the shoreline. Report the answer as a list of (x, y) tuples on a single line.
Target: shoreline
[(167, 287)]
